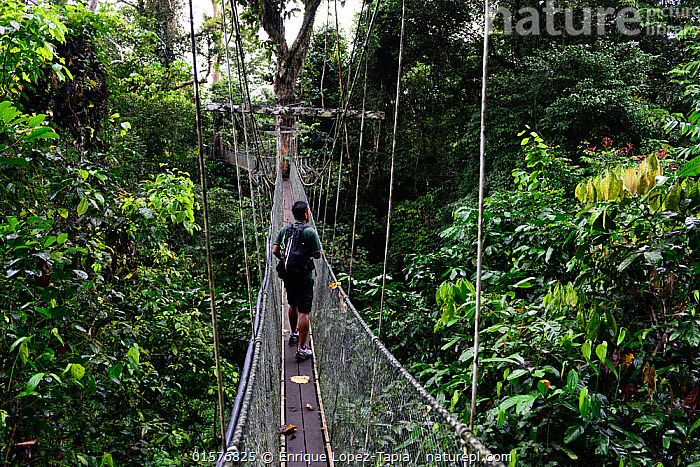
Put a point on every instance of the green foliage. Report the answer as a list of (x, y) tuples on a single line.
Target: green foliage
[(28, 39), (589, 321), (167, 199), (105, 346), (688, 76)]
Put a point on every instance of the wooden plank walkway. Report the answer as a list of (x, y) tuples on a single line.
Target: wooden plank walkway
[(307, 448)]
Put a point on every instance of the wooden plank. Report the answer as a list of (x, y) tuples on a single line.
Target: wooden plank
[(294, 413), (281, 110), (309, 437), (293, 405), (313, 434)]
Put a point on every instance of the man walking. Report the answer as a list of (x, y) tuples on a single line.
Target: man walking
[(295, 246)]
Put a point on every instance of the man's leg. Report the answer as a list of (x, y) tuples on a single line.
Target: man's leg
[(303, 329), (293, 317)]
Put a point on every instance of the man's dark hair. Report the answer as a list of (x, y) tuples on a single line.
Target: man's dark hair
[(299, 209)]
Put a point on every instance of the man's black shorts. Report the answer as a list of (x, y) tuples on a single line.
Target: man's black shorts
[(300, 292)]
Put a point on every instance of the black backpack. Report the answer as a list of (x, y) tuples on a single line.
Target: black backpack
[(295, 261)]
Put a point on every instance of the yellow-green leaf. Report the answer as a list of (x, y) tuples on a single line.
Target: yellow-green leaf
[(77, 371), (134, 353), (602, 351), (107, 460), (673, 198), (23, 352), (82, 206)]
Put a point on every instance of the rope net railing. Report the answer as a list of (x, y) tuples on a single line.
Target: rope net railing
[(256, 412), (372, 403)]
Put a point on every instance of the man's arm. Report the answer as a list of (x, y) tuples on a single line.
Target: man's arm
[(316, 245), (276, 252)]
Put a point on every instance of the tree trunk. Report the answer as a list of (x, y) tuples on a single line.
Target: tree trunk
[(290, 61)]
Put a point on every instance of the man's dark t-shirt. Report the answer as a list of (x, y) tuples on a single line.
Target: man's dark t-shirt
[(312, 244)]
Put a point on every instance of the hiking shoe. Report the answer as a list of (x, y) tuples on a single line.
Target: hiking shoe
[(294, 338), (303, 354)]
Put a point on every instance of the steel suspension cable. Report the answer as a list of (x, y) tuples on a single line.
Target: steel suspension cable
[(341, 118), (345, 107), (391, 172), (480, 234), (328, 188), (357, 183), (388, 219), (243, 89), (357, 187), (254, 123), (238, 181), (207, 235), (345, 128)]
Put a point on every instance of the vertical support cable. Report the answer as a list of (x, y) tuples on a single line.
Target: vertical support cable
[(391, 176), (388, 218), (357, 183), (343, 104), (207, 234), (238, 179), (480, 234), (240, 66)]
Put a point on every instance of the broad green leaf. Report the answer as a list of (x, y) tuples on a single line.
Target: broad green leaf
[(694, 427), (42, 132), (18, 342), (627, 261), (54, 331), (77, 371), (621, 336), (602, 351), (115, 373), (516, 374), (21, 161), (691, 168), (62, 238), (36, 120), (568, 452), (4, 105), (586, 350), (673, 198), (50, 241), (83, 206), (24, 352), (134, 353), (584, 403), (653, 257), (572, 381), (63, 212), (593, 326), (85, 174), (525, 283), (573, 433), (455, 399), (34, 382), (107, 460), (501, 418)]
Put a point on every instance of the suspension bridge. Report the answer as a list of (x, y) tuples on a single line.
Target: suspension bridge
[(352, 403)]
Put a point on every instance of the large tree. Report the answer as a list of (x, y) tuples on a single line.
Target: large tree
[(271, 15)]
